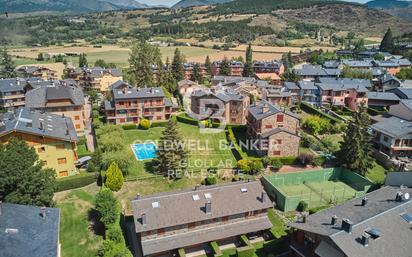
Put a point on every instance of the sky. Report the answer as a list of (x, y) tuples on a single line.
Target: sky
[(172, 2)]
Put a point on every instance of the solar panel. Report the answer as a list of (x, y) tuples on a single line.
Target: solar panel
[(196, 197), (407, 217), (155, 205)]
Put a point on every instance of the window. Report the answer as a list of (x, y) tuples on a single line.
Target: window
[(62, 161), (41, 149), (44, 163), (196, 197), (385, 138), (158, 117), (268, 126), (279, 141), (63, 173), (77, 117), (77, 126), (276, 153), (279, 118)]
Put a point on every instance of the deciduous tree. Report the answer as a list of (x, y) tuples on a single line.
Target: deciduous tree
[(107, 206)]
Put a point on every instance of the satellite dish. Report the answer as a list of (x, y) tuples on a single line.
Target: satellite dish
[(406, 196)]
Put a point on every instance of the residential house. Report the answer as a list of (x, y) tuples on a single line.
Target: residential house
[(343, 92), (12, 93), (380, 100), (186, 87), (358, 65), (130, 105), (308, 92), (277, 95), (189, 67), (77, 74), (294, 91), (29, 231), (393, 137), (235, 66), (36, 72), (390, 66), (313, 72), (376, 225), (402, 92), (268, 67), (219, 213), (247, 86), (276, 130), (52, 136), (226, 106), (62, 100), (402, 110), (388, 82), (101, 78), (273, 78)]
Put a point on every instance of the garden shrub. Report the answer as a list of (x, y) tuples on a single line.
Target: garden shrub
[(185, 119), (210, 180), (318, 161), (157, 124), (310, 109), (129, 126), (302, 206), (316, 125), (306, 158), (215, 248), (250, 166), (144, 124), (75, 181), (275, 163)]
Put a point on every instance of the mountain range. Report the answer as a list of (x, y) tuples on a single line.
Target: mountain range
[(191, 3), (398, 8)]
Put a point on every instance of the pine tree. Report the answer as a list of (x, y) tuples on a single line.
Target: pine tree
[(248, 69), (83, 61), (171, 155), (208, 65), (225, 69), (23, 180), (7, 66), (197, 74), (387, 44), (356, 148), (177, 66), (114, 177), (141, 61)]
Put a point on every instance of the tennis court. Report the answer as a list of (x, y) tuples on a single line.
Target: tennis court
[(144, 151)]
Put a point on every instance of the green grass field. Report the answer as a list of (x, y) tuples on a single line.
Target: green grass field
[(205, 150)]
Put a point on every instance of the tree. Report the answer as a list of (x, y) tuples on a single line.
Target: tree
[(168, 82), (171, 155), (404, 74), (287, 60), (378, 57), (359, 46), (177, 65), (107, 206), (197, 74), (248, 69), (7, 66), (114, 177), (356, 148), (23, 180), (387, 44), (225, 69), (40, 57), (143, 58), (289, 75), (83, 60), (100, 63), (208, 65), (356, 74)]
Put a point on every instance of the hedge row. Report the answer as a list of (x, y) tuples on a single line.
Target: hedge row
[(129, 126), (312, 110), (187, 120), (76, 181), (374, 112), (237, 151), (216, 249)]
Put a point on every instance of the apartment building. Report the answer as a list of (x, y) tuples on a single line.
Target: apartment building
[(189, 67), (223, 105), (53, 137), (95, 78), (129, 105), (61, 100), (277, 95), (343, 92), (219, 213), (12, 93), (236, 68), (29, 230), (276, 130), (36, 72), (313, 72), (268, 67)]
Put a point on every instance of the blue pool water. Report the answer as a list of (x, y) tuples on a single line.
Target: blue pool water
[(144, 151)]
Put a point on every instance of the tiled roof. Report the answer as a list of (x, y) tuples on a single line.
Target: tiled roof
[(25, 233), (383, 96), (341, 84), (307, 85), (138, 93), (393, 126), (12, 85), (39, 97), (263, 109)]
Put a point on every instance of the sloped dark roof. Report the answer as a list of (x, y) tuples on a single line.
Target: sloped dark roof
[(341, 84), (39, 97), (118, 84), (388, 96), (138, 93), (12, 85), (291, 85), (32, 235), (38, 123), (393, 126), (307, 85)]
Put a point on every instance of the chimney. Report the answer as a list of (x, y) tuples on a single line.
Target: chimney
[(67, 132), (334, 220), (137, 196), (197, 187), (208, 207), (399, 196), (364, 201), (264, 197), (43, 212), (347, 225), (265, 108), (305, 217), (365, 239), (144, 219)]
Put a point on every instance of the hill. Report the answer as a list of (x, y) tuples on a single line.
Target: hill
[(401, 9), (191, 3), (67, 6)]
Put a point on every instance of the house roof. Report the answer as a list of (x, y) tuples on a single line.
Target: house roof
[(403, 93), (388, 77), (258, 110), (357, 64), (12, 85), (225, 95), (381, 213), (165, 209), (38, 123), (393, 126), (276, 131), (186, 82), (40, 97), (291, 86), (25, 233), (387, 96), (138, 93), (99, 72), (272, 76), (341, 84), (118, 84), (307, 85), (316, 70)]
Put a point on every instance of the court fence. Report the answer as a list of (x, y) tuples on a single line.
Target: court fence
[(317, 188)]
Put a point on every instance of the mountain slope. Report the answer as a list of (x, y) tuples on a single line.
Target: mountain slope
[(191, 3), (68, 6), (398, 8)]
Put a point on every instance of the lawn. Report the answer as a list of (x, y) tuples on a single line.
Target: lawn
[(77, 234), (376, 174), (205, 150)]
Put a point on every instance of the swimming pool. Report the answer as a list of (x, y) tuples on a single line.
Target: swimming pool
[(144, 151)]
